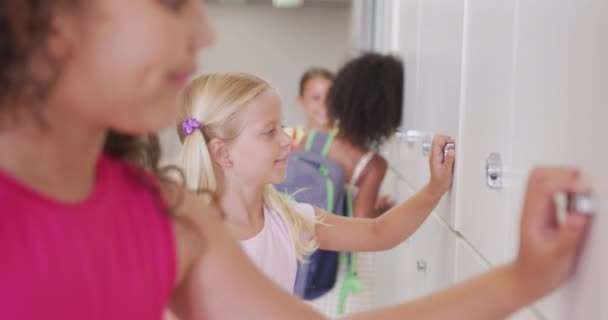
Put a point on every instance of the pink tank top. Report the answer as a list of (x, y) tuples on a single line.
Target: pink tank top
[(111, 256)]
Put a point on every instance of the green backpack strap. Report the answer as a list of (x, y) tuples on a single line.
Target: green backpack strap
[(328, 142), (311, 139), (351, 282), (329, 187)]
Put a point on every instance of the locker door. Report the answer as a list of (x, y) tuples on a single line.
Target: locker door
[(421, 265), (439, 64), (410, 162), (434, 250), (560, 114), (395, 276), (433, 57), (483, 215), (439, 243), (408, 45), (439, 73), (470, 264)]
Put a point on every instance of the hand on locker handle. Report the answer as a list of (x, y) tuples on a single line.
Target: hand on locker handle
[(441, 163), (548, 250)]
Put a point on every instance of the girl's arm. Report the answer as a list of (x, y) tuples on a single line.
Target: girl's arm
[(548, 253), (223, 284), (360, 234)]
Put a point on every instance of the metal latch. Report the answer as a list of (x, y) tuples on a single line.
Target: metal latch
[(427, 143), (494, 171), (582, 203), (446, 149)]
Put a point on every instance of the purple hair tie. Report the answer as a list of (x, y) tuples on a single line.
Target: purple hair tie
[(191, 124)]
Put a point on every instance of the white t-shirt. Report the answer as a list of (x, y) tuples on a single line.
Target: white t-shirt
[(272, 249)]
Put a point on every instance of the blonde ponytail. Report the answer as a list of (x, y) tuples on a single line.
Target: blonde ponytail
[(195, 161)]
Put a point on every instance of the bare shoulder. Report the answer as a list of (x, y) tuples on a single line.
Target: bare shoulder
[(374, 171), (377, 165)]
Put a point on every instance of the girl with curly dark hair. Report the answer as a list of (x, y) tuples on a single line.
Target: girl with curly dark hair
[(365, 104)]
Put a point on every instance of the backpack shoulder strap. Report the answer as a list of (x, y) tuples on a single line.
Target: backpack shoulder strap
[(319, 142), (351, 282)]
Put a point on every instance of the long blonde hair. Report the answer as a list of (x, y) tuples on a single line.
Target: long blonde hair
[(215, 101)]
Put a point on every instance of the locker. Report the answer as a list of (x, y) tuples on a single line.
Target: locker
[(438, 245), (433, 249), (422, 264), (437, 80), (559, 117), (439, 65), (410, 152), (470, 264), (483, 215), (395, 276), (408, 45), (522, 79)]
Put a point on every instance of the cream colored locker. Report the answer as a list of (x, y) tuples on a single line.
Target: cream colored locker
[(410, 163), (421, 265), (483, 214), (395, 275), (439, 73), (431, 39), (386, 26), (469, 264), (408, 46), (434, 249), (439, 64), (560, 117), (560, 99)]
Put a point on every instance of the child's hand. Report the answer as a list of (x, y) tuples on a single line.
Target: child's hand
[(548, 249), (441, 169)]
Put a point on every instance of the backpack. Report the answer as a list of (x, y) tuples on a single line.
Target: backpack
[(314, 179)]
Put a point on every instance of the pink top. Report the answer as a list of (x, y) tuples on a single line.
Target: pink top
[(112, 256), (273, 251)]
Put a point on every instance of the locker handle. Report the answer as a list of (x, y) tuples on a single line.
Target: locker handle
[(412, 135), (447, 147), (421, 265), (427, 143), (583, 203), (409, 136), (494, 171), (426, 148)]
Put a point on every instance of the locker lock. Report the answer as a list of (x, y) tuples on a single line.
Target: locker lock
[(583, 203), (412, 135), (494, 171), (427, 143), (421, 266), (448, 146), (409, 136)]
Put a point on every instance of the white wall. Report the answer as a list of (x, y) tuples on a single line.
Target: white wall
[(278, 44), (275, 44)]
